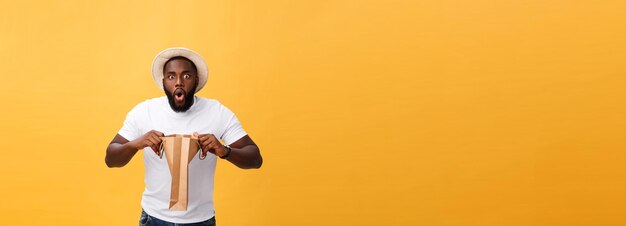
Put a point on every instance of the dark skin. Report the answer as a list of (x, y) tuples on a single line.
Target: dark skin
[(180, 74)]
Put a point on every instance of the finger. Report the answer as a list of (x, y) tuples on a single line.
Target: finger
[(158, 133), (210, 139), (213, 143), (158, 141), (205, 136), (147, 143), (211, 147), (204, 144), (209, 144), (157, 138), (155, 147), (154, 141), (213, 150)]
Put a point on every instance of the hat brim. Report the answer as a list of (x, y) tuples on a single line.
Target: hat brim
[(165, 55)]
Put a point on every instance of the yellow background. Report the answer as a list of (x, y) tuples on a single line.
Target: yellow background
[(428, 112)]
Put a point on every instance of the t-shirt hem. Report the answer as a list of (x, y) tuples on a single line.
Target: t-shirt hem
[(176, 220)]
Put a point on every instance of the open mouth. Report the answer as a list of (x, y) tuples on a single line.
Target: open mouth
[(179, 95)]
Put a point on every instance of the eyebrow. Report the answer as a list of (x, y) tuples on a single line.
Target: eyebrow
[(173, 72)]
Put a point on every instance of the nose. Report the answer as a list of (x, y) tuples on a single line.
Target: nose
[(179, 81)]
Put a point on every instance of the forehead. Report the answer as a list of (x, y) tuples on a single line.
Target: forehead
[(178, 64)]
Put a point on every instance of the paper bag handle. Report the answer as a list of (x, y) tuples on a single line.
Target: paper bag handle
[(200, 151), (160, 154)]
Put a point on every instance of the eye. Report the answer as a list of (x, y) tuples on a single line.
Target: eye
[(186, 76), (170, 77)]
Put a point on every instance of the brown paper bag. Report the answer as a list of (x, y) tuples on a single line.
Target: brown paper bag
[(179, 150)]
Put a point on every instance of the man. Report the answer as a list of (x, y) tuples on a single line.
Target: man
[(181, 73)]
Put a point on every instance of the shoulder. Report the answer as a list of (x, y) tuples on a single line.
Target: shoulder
[(143, 106), (207, 101), (154, 101), (213, 105), (209, 104)]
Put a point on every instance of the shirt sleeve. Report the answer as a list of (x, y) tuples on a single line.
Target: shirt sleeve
[(130, 130), (233, 130)]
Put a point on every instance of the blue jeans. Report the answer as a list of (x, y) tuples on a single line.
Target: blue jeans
[(147, 220)]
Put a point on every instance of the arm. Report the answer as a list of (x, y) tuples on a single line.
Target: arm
[(120, 151), (244, 153)]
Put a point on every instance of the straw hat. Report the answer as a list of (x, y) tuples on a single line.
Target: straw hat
[(165, 55)]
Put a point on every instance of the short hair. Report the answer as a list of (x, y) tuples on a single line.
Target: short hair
[(180, 58)]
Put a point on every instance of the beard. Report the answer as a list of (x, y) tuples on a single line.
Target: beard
[(186, 104)]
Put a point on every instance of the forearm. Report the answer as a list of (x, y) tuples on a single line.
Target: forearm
[(247, 157), (119, 155)]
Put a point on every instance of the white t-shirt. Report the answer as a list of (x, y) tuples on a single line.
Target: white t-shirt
[(204, 116)]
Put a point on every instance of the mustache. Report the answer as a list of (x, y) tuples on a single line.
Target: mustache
[(181, 90)]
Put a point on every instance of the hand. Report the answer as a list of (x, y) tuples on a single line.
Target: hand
[(150, 139), (209, 143)]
